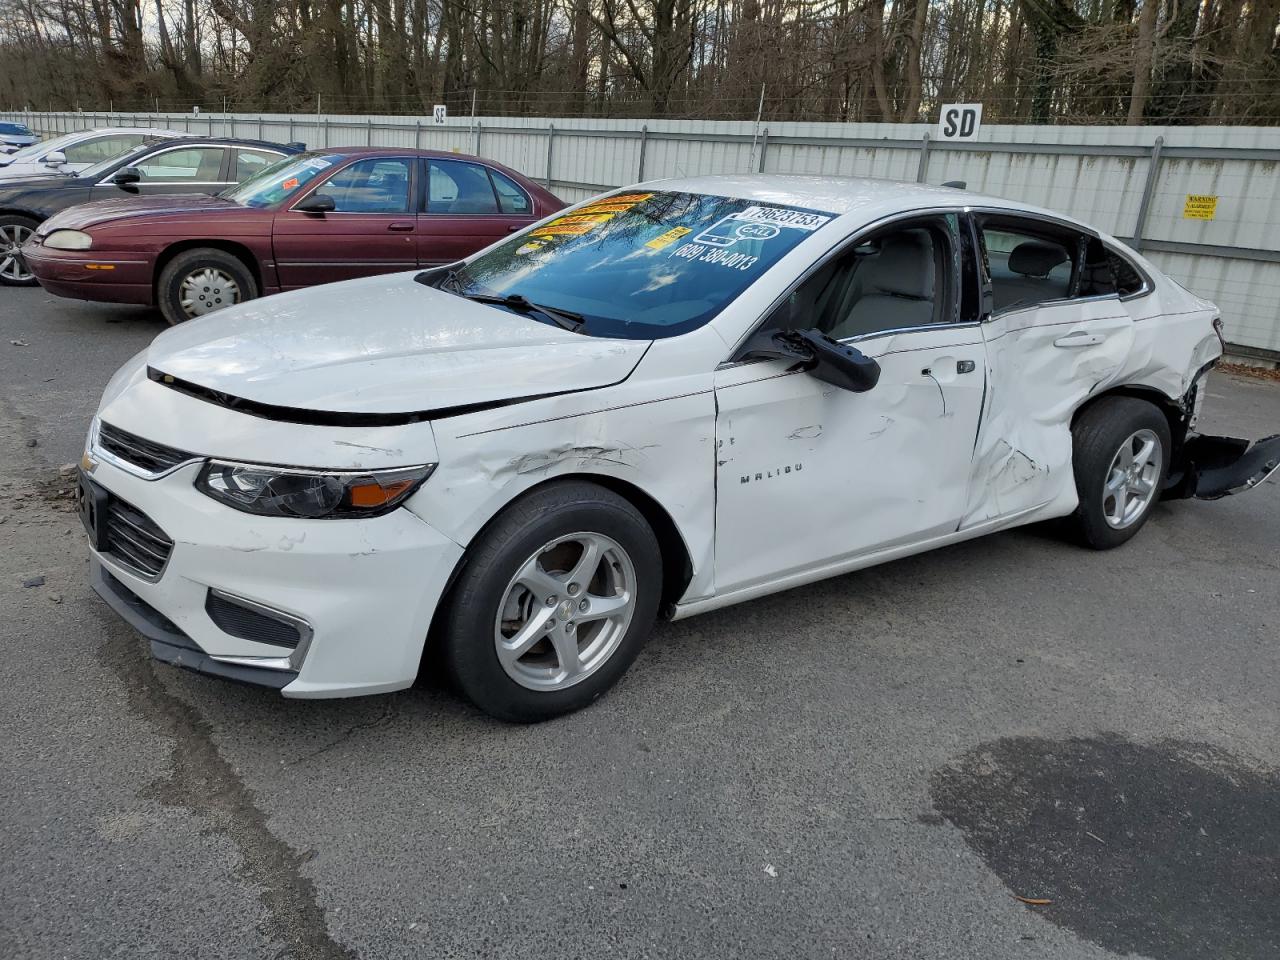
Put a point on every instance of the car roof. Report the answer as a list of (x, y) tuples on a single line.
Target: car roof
[(227, 142), (868, 198), (99, 131), (402, 152)]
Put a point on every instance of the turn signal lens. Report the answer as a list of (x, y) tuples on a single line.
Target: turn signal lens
[(68, 240), (313, 494)]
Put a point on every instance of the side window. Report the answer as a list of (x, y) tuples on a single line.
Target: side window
[(1028, 267), (456, 186), (1128, 280), (371, 186), (192, 165), (898, 278), (511, 199), (252, 162), (103, 148)]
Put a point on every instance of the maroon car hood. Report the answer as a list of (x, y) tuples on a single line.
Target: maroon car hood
[(104, 211)]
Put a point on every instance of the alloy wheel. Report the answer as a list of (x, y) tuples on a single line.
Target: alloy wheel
[(565, 612), (12, 264), (207, 289), (1132, 479)]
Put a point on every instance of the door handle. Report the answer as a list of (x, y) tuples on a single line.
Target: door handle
[(400, 227), (1081, 338), (512, 228)]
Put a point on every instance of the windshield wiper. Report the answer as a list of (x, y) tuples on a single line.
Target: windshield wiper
[(561, 318)]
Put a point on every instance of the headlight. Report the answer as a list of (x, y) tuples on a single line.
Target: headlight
[(68, 240), (314, 494)]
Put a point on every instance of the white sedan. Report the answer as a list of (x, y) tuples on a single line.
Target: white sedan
[(669, 399), (73, 152)]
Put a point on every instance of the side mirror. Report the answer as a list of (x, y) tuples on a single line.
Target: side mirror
[(317, 203), (828, 360), (55, 158), (127, 177)]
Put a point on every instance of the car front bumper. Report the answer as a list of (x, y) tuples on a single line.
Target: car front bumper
[(362, 592), (90, 275)]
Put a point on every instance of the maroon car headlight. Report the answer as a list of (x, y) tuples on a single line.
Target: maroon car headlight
[(68, 240)]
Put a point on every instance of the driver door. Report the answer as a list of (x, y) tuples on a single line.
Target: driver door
[(809, 474)]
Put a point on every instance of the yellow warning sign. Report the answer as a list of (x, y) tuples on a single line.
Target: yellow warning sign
[(1199, 206)]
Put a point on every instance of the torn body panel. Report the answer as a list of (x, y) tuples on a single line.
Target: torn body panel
[(1210, 468)]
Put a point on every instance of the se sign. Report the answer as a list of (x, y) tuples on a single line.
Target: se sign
[(959, 121), (439, 113)]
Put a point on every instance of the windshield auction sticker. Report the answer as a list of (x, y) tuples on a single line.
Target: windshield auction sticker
[(587, 218), (758, 223)]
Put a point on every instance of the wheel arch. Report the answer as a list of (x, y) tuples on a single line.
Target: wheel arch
[(238, 250), (677, 559), (21, 212), (1175, 411)]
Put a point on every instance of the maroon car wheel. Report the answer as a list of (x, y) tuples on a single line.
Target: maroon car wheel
[(197, 282), (14, 232)]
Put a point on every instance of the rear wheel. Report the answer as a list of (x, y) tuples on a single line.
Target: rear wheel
[(1121, 458), (14, 232), (554, 603), (200, 281)]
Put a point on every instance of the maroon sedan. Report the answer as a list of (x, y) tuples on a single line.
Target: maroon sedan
[(311, 218)]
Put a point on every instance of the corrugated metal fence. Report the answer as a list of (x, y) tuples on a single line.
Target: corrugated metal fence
[(1132, 182)]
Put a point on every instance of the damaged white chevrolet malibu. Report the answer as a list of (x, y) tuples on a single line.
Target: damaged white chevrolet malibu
[(672, 398)]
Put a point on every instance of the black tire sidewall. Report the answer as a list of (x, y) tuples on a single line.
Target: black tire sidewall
[(468, 643), (1097, 437), (169, 287), (9, 220)]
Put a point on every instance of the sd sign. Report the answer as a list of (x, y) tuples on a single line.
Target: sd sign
[(959, 121)]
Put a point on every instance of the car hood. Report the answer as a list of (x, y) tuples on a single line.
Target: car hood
[(101, 211), (380, 346)]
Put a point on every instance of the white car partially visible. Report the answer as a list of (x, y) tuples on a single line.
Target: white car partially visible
[(672, 398), (73, 152)]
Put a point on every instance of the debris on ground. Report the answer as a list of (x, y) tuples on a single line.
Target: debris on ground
[(1249, 370), (33, 582), (55, 598), (771, 870), (1033, 901)]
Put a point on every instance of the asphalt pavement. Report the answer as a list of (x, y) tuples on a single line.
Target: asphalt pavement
[(878, 765)]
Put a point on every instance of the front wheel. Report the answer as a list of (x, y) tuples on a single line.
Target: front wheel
[(200, 281), (554, 603), (1121, 449), (14, 232)]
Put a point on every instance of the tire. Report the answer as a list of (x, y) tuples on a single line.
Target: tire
[(228, 281), (14, 231), (627, 576), (1114, 506)]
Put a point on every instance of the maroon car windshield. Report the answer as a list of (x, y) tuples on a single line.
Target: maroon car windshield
[(282, 179)]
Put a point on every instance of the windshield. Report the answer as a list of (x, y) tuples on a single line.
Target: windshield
[(102, 166), (641, 265), (40, 149), (15, 130), (281, 180)]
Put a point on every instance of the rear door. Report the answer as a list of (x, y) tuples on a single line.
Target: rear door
[(468, 206), (372, 230), (1055, 333)]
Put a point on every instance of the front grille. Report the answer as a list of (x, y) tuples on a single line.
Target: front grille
[(247, 624), (146, 455), (134, 539)]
